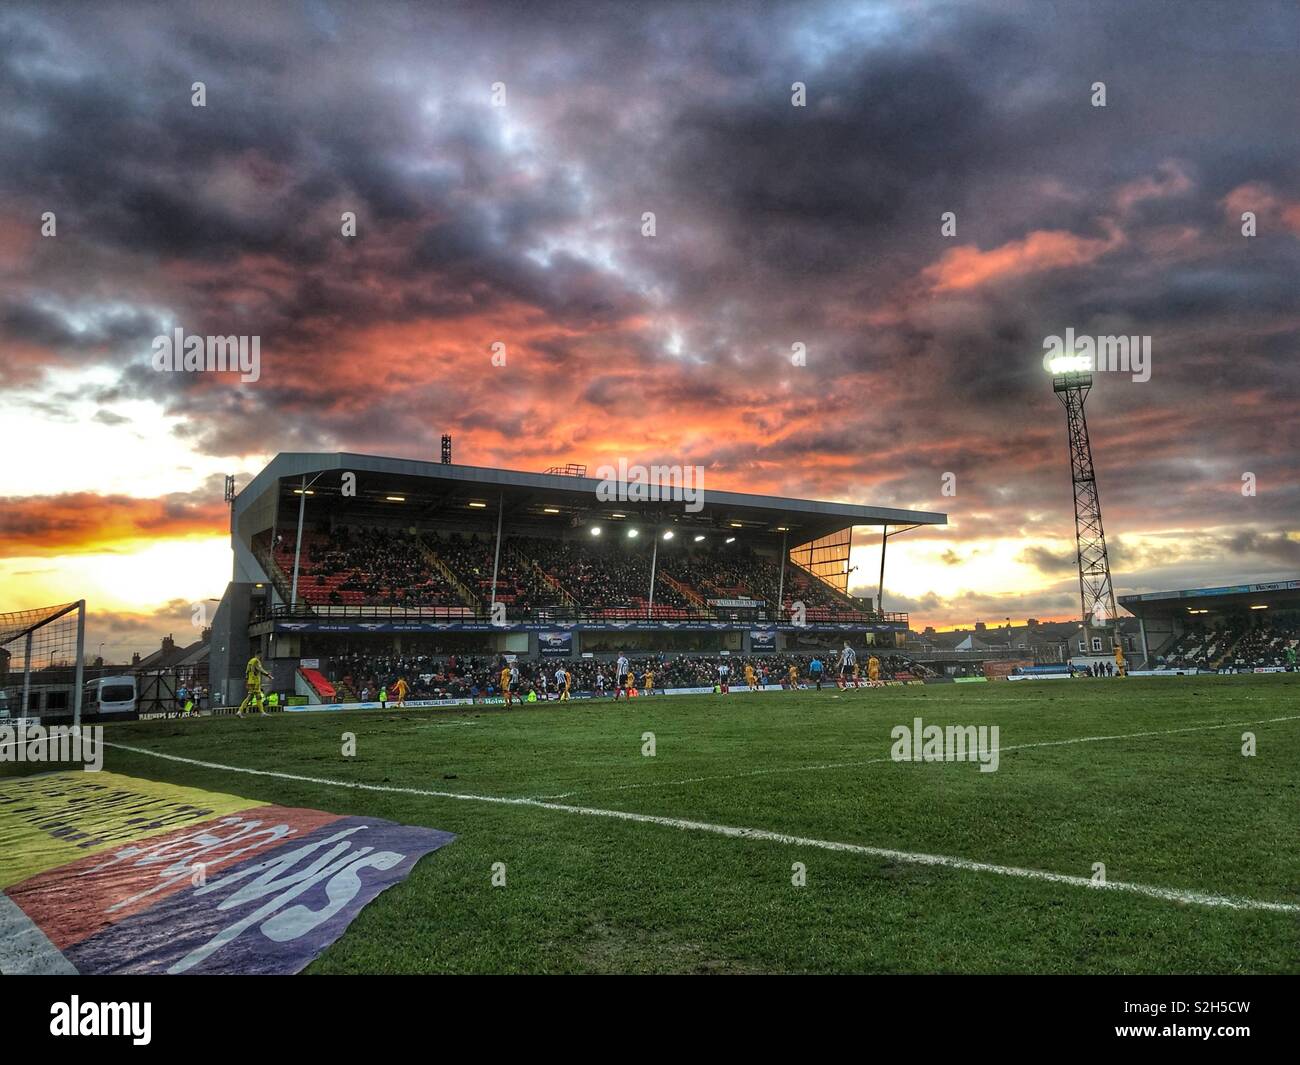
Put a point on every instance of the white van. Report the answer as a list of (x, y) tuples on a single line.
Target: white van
[(110, 698)]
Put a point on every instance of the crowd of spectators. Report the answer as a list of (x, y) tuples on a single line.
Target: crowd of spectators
[(520, 587), (1236, 643), (601, 575), (1265, 644), (462, 676), (1200, 647), (366, 568), (377, 567)]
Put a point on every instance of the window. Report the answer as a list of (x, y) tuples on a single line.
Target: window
[(1096, 645)]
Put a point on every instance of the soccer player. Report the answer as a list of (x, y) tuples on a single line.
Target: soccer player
[(751, 680), (857, 681), (568, 686), (873, 673), (400, 689), (1120, 669), (723, 671), (253, 674), (793, 673), (848, 661), (621, 670), (560, 674), (649, 682), (507, 675), (600, 682)]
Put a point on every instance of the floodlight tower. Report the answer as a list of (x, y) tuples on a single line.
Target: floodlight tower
[(1071, 381)]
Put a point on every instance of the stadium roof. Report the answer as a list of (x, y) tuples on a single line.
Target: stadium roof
[(429, 489), (1264, 596)]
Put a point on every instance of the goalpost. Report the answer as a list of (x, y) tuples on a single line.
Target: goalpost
[(42, 661)]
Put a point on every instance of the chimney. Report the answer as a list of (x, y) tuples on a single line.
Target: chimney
[(168, 644), (135, 658)]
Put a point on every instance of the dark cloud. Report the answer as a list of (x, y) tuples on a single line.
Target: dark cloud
[(775, 225)]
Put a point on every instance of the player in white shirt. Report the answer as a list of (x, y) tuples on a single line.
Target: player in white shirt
[(848, 658), (621, 669), (723, 671)]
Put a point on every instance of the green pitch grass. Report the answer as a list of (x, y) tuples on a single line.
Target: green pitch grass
[(585, 893)]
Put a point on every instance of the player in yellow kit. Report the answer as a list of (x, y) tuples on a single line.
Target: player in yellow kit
[(750, 679), (507, 675), (649, 682), (873, 673), (253, 674), (794, 676), (1120, 669), (857, 676), (400, 689)]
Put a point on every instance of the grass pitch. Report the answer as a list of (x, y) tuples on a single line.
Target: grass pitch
[(1181, 808)]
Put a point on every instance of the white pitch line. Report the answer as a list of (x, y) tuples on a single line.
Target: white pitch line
[(878, 761), (1230, 902)]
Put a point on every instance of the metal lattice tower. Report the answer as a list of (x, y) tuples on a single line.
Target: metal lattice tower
[(1096, 593)]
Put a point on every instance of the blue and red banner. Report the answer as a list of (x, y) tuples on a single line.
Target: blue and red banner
[(187, 882)]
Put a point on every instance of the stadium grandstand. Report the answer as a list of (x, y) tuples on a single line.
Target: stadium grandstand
[(1235, 628), (344, 564)]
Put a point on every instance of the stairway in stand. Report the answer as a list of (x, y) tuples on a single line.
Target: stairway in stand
[(698, 603), (445, 571), (534, 567)]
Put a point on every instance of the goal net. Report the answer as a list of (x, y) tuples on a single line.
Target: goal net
[(41, 662)]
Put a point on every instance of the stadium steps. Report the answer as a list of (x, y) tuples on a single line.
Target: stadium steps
[(279, 579), (449, 575), (1228, 651), (535, 567), (688, 593)]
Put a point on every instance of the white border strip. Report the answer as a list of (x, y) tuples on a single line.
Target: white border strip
[(24, 949), (1230, 902)]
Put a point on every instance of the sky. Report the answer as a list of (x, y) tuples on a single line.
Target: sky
[(500, 161)]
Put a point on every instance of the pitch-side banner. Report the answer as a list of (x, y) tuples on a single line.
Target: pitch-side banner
[(109, 874)]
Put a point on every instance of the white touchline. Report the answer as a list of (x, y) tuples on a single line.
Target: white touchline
[(964, 864), (878, 761)]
